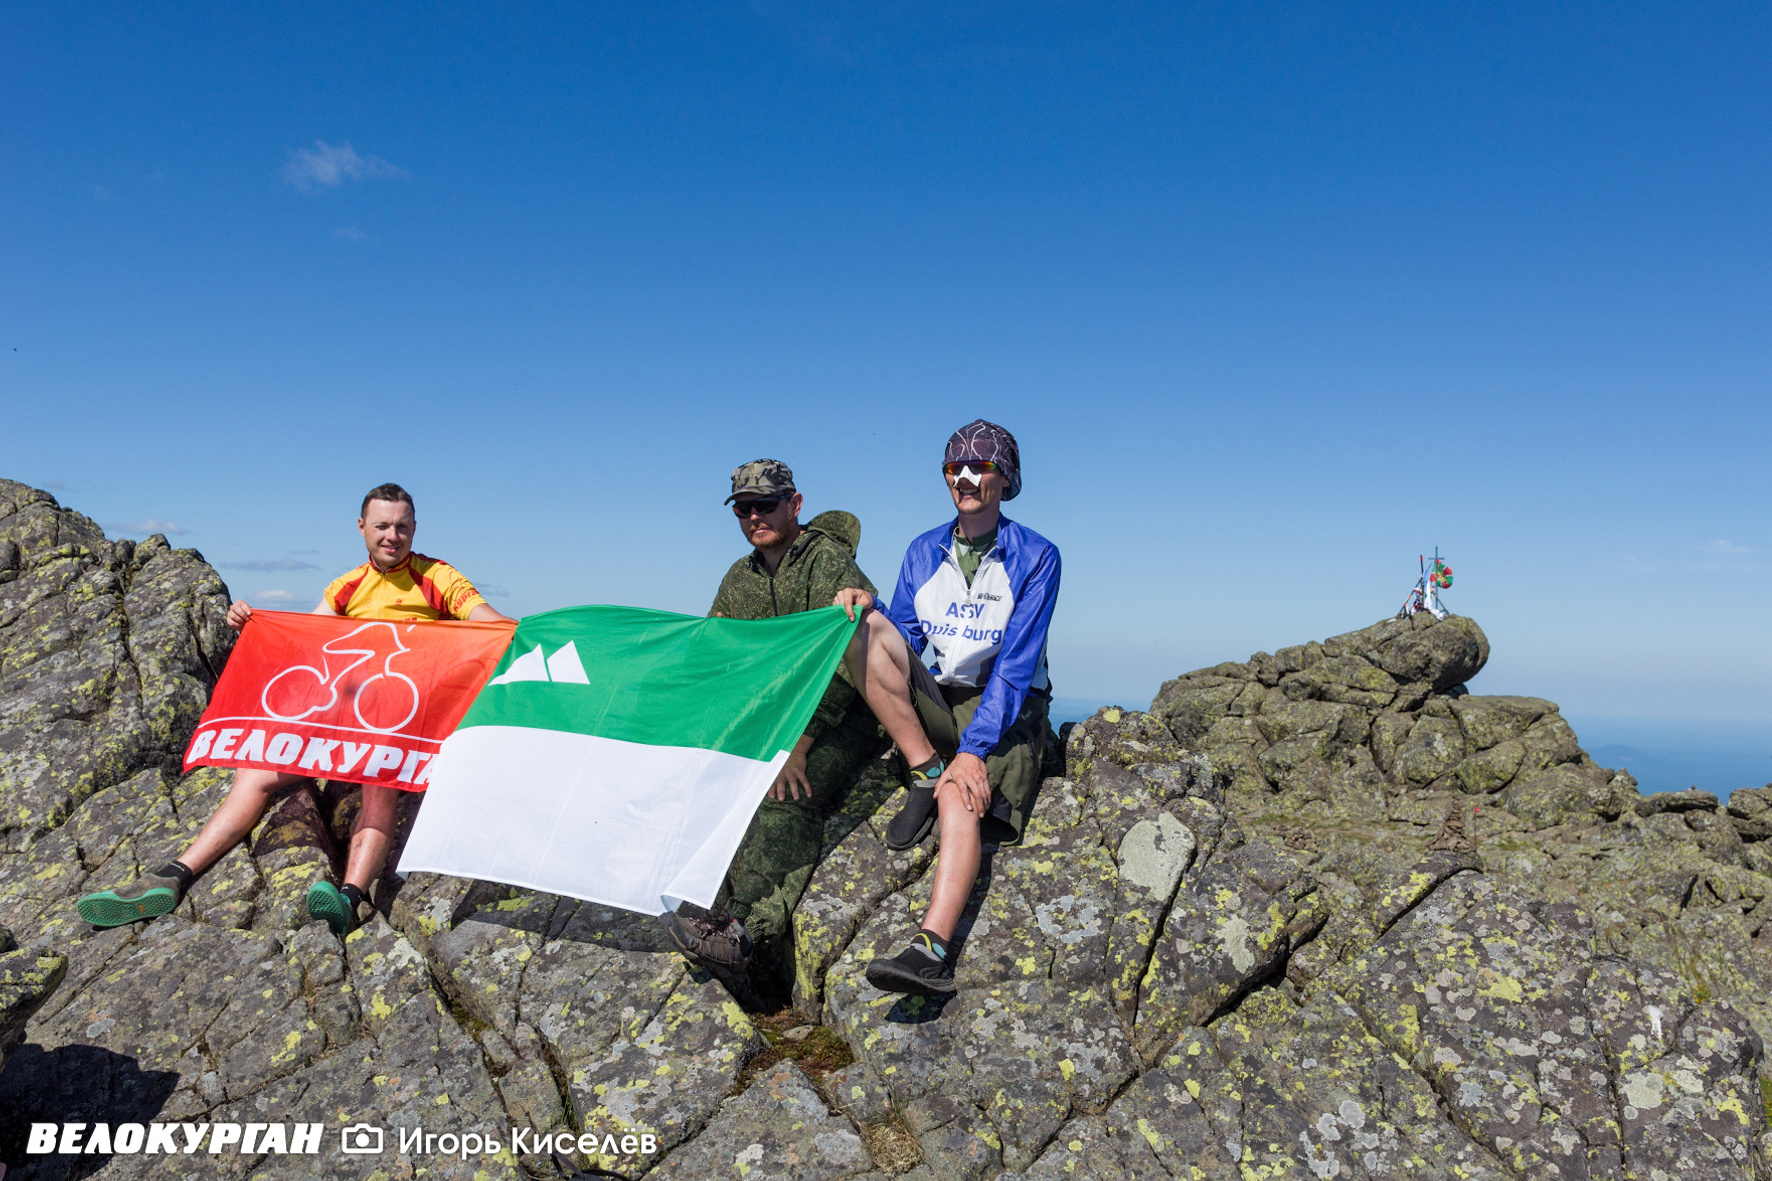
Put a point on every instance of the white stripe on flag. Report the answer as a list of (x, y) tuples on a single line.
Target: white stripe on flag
[(621, 823)]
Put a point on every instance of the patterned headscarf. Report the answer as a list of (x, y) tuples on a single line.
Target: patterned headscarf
[(989, 442)]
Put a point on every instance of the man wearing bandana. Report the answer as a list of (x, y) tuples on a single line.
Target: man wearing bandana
[(978, 590)]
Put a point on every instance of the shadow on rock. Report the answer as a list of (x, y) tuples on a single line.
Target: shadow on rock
[(553, 917), (72, 1084), (606, 926), (918, 1010)]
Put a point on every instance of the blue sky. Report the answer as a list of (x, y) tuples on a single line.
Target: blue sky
[(1274, 296)]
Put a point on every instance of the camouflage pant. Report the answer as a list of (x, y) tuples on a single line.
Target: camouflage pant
[(782, 847)]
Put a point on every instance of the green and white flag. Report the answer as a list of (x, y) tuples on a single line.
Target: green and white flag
[(617, 754)]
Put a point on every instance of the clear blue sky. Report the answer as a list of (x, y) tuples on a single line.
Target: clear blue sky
[(1274, 296)]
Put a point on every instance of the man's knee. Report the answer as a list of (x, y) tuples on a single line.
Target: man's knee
[(785, 832), (380, 807), (952, 801), (265, 783), (861, 637), (884, 635), (790, 813)]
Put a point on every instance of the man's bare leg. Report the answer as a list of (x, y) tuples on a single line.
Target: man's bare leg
[(925, 966), (880, 665), (238, 815), (157, 890), (373, 835), (956, 867)]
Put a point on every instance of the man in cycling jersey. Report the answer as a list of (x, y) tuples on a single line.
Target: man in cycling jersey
[(979, 590), (394, 583)]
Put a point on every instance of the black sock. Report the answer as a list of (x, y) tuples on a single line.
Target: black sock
[(937, 943), (353, 895), (179, 870), (928, 769)]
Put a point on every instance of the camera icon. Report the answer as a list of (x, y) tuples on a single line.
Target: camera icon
[(360, 1139)]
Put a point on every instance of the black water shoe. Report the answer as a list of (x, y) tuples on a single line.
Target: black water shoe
[(916, 819), (919, 969)]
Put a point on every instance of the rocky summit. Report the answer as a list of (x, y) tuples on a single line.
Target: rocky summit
[(1321, 914)]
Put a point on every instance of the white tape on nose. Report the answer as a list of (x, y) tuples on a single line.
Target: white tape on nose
[(968, 474)]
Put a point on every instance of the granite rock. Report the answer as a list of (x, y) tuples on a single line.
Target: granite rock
[(779, 1127), (1321, 913), (26, 981)]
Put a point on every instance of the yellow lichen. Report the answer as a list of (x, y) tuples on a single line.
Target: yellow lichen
[(1505, 988)]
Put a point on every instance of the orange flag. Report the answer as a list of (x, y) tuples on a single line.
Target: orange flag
[(348, 700)]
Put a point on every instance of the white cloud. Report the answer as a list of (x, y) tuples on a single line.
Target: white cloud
[(274, 596), (329, 167), (1722, 546), (146, 525), (349, 234)]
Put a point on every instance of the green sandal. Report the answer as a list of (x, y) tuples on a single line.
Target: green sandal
[(327, 901), (149, 896)]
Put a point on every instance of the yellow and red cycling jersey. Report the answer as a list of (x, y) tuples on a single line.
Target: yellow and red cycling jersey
[(418, 588)]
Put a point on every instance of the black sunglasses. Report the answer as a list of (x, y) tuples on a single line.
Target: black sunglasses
[(744, 508)]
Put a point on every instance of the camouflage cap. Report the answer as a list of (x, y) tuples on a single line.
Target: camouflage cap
[(761, 477)]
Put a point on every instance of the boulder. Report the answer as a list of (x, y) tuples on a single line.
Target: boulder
[(1440, 653), (1690, 800), (26, 980), (1498, 1001), (108, 651), (1490, 721), (778, 1127), (1560, 794), (1322, 913)]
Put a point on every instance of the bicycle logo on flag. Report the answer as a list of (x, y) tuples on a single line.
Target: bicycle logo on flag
[(301, 691)]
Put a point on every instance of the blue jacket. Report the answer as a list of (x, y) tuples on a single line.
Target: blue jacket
[(991, 634)]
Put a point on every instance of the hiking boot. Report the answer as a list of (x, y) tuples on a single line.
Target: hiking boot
[(917, 970), (147, 897), (713, 941), (327, 901), (916, 819)]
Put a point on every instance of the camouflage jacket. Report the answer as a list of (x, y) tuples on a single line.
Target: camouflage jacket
[(818, 565)]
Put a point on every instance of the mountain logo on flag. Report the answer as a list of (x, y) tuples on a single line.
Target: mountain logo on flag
[(563, 667)]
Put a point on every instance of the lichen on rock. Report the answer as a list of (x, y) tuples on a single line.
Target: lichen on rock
[(1323, 913)]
